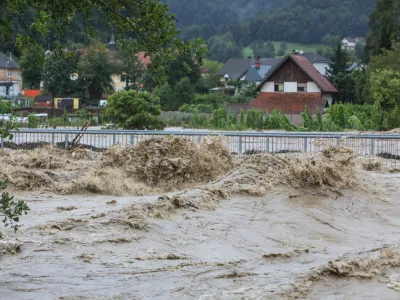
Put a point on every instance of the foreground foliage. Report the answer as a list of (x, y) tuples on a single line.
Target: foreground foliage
[(10, 209)]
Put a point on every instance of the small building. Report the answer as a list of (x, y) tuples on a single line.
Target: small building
[(290, 86), (350, 42), (67, 103), (321, 63), (255, 69), (10, 76), (43, 101)]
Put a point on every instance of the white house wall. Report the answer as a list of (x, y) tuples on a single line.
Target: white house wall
[(313, 88), (290, 87), (268, 87), (13, 91)]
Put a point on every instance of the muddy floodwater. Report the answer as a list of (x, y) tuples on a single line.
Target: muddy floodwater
[(266, 227), (247, 248)]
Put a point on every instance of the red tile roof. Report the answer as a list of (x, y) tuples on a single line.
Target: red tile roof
[(145, 60), (289, 103), (314, 74), (320, 80)]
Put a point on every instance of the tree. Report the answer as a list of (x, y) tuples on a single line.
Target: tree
[(182, 66), (148, 21), (359, 50), (94, 71), (330, 40), (282, 49), (385, 88), (134, 110), (249, 91), (223, 47), (384, 27), (130, 66), (31, 62), (388, 59), (339, 73), (213, 65), (58, 73), (184, 93), (263, 49), (173, 97), (206, 83)]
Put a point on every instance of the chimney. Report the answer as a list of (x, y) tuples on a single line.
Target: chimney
[(258, 63)]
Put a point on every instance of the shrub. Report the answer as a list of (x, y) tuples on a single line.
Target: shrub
[(133, 110), (201, 108), (33, 122)]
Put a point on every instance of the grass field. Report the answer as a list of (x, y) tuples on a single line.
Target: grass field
[(247, 51)]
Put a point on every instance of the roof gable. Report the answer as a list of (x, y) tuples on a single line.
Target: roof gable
[(253, 75), (6, 62), (307, 67), (235, 67)]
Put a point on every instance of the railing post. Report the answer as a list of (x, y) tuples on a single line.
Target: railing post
[(372, 146), (66, 141), (199, 139), (2, 142), (52, 138), (131, 139), (267, 144), (240, 144), (337, 141), (305, 144), (113, 139)]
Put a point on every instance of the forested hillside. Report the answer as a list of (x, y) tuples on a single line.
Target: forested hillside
[(304, 21), (231, 25)]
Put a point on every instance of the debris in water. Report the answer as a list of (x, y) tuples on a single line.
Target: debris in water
[(68, 208)]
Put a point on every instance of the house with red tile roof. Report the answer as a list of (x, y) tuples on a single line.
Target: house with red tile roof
[(290, 86)]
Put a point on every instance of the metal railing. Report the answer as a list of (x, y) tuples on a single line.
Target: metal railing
[(386, 146)]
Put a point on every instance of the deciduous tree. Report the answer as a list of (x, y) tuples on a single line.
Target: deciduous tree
[(134, 110), (31, 62), (95, 70)]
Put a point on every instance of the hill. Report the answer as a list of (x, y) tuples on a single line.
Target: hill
[(230, 26)]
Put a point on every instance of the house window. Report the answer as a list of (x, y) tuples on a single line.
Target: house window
[(302, 87), (9, 74), (123, 78), (279, 87)]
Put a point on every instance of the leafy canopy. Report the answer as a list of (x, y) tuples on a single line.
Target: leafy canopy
[(148, 21), (95, 70), (31, 62), (133, 110)]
